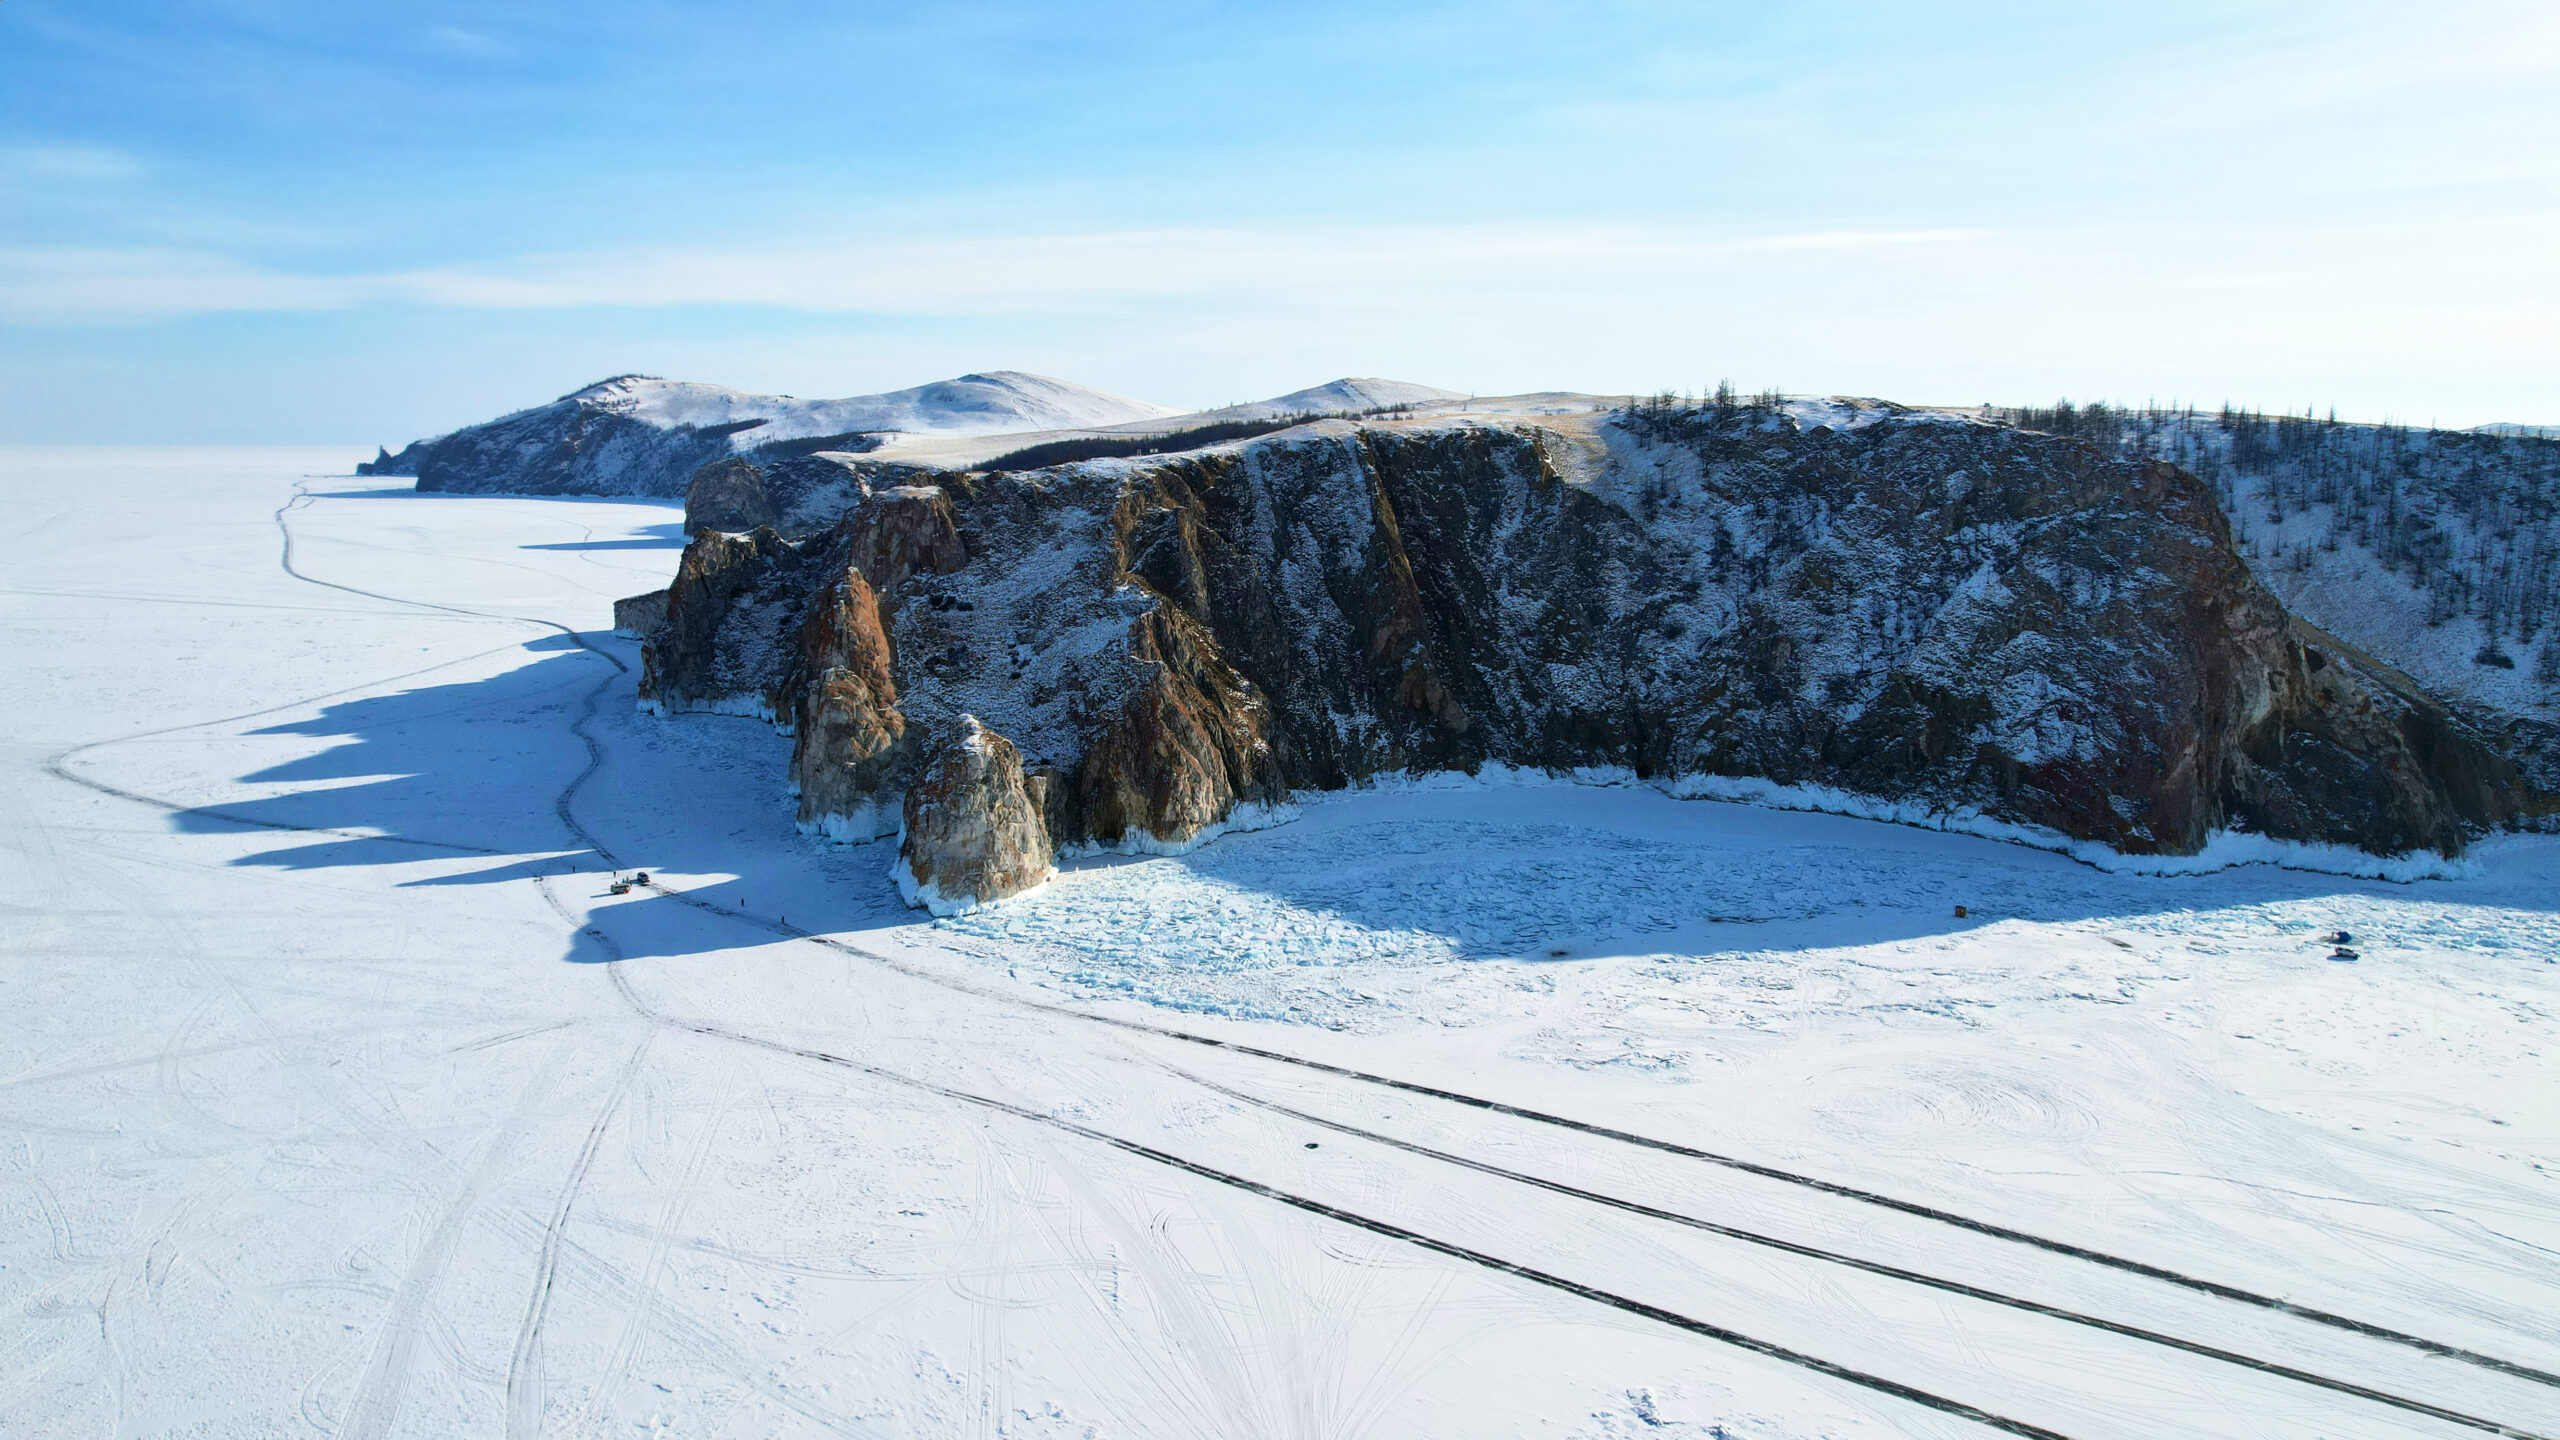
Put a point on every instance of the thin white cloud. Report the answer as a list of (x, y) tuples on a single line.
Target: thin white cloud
[(462, 44), (67, 162), (70, 285), (2451, 312), (961, 276)]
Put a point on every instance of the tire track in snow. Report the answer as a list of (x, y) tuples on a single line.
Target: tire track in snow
[(296, 1037), (386, 1372), (58, 766), (524, 1371), (190, 602), (1627, 1304), (1196, 1365), (1990, 1229), (635, 1317), (1873, 1267), (180, 941)]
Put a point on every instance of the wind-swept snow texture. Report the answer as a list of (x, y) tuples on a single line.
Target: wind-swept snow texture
[(340, 1096), (638, 435)]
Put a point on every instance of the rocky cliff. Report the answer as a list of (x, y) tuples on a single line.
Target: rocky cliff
[(971, 832), (2436, 550), (1922, 608), (727, 495)]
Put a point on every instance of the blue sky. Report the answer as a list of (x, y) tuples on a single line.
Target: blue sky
[(268, 220)]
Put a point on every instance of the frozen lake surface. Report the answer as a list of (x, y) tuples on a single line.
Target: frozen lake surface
[(337, 1096)]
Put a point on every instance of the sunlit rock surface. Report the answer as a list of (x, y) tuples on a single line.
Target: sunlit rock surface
[(971, 834)]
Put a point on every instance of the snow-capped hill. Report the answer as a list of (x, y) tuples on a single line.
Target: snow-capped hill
[(1008, 401), (640, 435), (1348, 396), (999, 402), (2531, 432)]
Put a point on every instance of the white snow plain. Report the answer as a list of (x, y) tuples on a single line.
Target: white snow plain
[(339, 1097)]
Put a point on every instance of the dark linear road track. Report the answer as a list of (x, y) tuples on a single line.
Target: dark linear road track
[(563, 806)]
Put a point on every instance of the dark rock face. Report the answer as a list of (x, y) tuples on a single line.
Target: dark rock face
[(640, 614), (1919, 609), (799, 496), (972, 834), (733, 613), (600, 441), (796, 632), (727, 495), (810, 492), (568, 447)]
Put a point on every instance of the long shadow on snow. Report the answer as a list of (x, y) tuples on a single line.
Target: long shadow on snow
[(1512, 874), (472, 770), (665, 535), (1568, 873), (470, 765)]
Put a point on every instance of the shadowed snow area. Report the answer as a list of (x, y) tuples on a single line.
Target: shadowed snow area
[(306, 1128), (1329, 919)]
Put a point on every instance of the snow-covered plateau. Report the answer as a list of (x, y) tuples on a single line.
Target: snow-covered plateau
[(341, 1095)]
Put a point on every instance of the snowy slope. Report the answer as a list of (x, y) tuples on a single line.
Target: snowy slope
[(1005, 400), (1348, 396), (993, 403), (958, 451), (2437, 551), (344, 1099)]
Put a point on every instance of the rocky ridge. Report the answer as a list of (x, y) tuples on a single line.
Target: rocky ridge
[(1951, 615), (640, 435)]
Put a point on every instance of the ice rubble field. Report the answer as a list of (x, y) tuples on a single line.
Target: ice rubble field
[(337, 1096), (1704, 897)]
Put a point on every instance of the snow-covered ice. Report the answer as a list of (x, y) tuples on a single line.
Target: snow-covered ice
[(339, 1097)]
